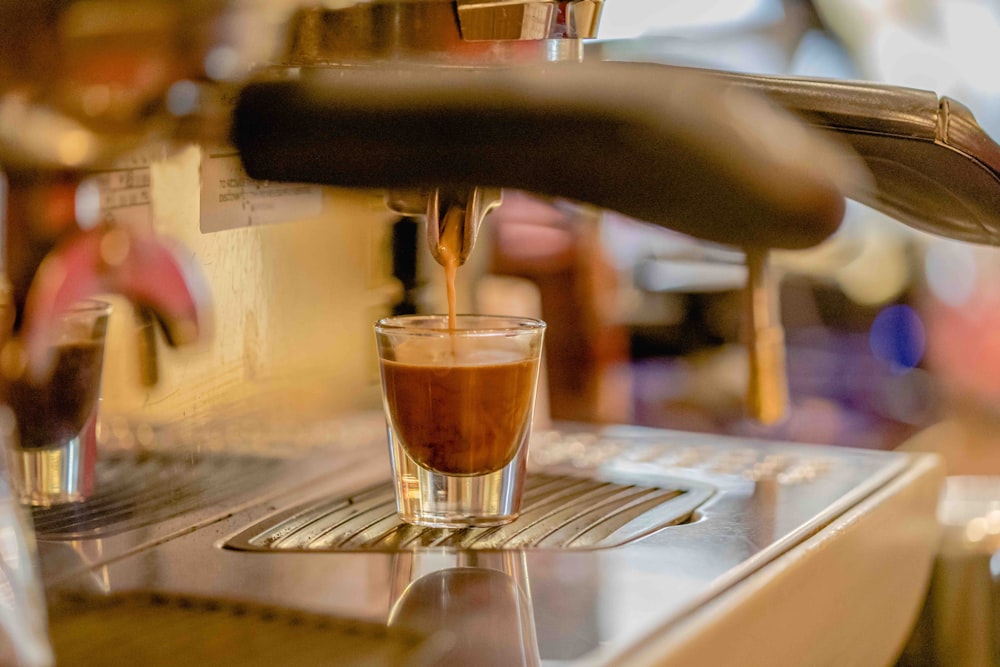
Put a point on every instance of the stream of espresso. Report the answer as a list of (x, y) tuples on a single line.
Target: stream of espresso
[(460, 405), (449, 250)]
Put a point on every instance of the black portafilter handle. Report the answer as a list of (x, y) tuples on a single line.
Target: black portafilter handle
[(665, 145)]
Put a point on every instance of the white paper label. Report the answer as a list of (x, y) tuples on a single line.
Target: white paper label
[(230, 199), (125, 190)]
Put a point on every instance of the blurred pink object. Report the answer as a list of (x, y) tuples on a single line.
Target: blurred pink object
[(136, 264), (964, 345)]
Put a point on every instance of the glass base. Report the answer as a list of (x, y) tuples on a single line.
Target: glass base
[(435, 500), (42, 477)]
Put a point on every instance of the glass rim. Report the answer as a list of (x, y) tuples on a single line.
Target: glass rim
[(85, 309), (89, 306), (504, 324)]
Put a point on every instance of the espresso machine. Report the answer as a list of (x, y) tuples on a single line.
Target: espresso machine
[(226, 175)]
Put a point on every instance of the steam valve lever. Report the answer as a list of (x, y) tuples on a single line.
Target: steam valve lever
[(767, 388)]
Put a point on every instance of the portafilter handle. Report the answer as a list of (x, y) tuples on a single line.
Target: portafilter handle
[(673, 148), (690, 149)]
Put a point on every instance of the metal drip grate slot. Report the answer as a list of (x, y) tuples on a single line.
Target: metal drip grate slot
[(134, 490), (558, 512)]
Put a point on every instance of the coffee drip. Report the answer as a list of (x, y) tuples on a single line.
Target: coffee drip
[(460, 419), (459, 408), (449, 247), (453, 220)]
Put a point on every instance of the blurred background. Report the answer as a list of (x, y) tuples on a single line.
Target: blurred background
[(889, 330)]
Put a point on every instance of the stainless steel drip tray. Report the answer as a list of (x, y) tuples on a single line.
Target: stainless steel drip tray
[(604, 560), (137, 489), (147, 495), (558, 512)]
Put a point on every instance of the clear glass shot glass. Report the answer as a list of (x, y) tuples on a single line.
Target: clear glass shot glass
[(458, 406), (51, 444)]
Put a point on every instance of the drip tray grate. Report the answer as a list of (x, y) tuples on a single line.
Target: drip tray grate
[(136, 489), (558, 512)]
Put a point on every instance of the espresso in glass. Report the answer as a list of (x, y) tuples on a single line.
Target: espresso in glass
[(458, 404), (51, 413), (463, 417), (52, 453)]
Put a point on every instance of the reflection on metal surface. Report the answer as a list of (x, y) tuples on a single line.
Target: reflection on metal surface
[(224, 632), (135, 490), (559, 512), (435, 592)]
